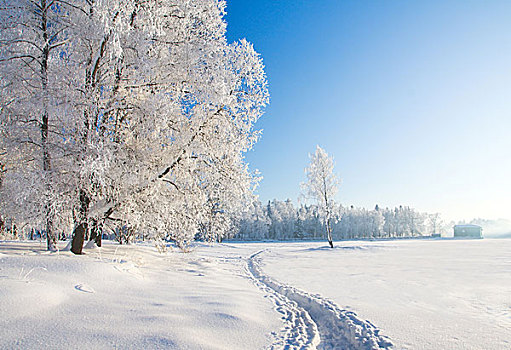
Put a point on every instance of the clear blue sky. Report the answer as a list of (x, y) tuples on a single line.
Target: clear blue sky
[(412, 98)]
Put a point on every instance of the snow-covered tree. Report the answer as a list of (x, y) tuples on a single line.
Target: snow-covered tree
[(321, 185), (435, 222), (34, 37), (254, 224), (150, 113)]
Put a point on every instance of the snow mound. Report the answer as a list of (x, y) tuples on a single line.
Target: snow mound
[(90, 245), (67, 248)]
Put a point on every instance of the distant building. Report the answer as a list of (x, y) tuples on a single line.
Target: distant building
[(471, 231)]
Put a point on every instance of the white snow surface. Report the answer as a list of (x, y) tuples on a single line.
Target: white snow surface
[(402, 294), (422, 294), (129, 297)]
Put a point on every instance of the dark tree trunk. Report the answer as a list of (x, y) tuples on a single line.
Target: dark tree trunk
[(51, 238), (98, 237), (82, 225), (78, 237), (96, 232), (329, 233)]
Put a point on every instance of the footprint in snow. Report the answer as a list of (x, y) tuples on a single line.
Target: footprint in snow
[(84, 288)]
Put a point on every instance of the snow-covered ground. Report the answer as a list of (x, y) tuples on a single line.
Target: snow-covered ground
[(129, 297), (417, 294), (423, 294)]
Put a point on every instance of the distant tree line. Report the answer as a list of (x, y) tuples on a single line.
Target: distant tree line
[(282, 220)]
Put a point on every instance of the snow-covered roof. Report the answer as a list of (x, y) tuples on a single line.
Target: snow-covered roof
[(468, 226)]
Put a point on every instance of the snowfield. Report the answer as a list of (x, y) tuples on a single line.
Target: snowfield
[(128, 297), (402, 294), (422, 294)]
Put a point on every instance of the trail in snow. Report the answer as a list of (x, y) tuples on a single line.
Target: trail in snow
[(300, 331), (312, 322)]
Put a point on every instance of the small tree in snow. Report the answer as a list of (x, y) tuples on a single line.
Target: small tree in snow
[(321, 185), (435, 223)]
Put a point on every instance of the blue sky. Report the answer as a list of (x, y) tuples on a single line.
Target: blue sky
[(413, 100)]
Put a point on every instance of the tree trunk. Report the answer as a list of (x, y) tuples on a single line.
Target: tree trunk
[(51, 239), (82, 224), (330, 242), (99, 235), (78, 237), (96, 233), (329, 233)]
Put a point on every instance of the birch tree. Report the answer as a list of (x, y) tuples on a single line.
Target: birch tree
[(321, 186), (33, 102)]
